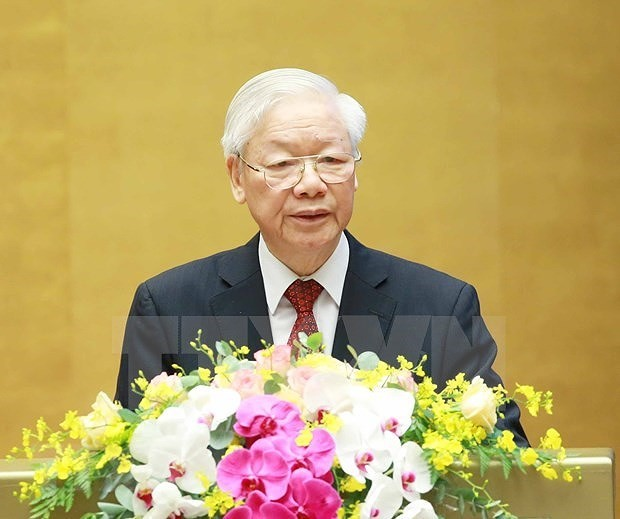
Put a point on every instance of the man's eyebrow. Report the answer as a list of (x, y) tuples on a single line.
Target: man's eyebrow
[(283, 141)]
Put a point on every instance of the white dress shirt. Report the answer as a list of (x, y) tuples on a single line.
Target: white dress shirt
[(277, 277)]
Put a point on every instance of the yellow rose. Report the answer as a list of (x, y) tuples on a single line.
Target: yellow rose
[(103, 415), (478, 404)]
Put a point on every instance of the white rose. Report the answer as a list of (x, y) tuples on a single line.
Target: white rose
[(104, 413), (478, 404)]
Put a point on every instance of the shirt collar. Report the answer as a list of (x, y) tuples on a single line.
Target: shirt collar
[(277, 276)]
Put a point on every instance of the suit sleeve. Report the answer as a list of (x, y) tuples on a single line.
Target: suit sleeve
[(477, 356), (149, 345)]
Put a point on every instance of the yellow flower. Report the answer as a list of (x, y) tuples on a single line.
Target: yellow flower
[(124, 465), (567, 476), (443, 448), (141, 383), (506, 441), (331, 422), (547, 471), (218, 502), (403, 363), (72, 424), (350, 511), (547, 402), (441, 460), (304, 438), (529, 456), (350, 484), (221, 369), (419, 369), (533, 398), (62, 468), (111, 452), (426, 393), (39, 476), (232, 447), (457, 383), (552, 440), (204, 374), (480, 434)]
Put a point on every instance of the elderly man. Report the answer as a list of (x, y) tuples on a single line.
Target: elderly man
[(291, 147)]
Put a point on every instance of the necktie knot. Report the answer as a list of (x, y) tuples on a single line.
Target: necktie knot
[(303, 294)]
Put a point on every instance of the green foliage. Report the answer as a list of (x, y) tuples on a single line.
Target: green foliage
[(368, 360), (129, 416)]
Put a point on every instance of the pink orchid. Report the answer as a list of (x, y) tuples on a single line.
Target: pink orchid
[(317, 456), (257, 468), (257, 506), (309, 497), (265, 415)]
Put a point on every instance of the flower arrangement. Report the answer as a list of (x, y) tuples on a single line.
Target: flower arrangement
[(290, 436)]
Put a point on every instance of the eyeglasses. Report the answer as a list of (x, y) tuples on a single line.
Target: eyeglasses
[(286, 172)]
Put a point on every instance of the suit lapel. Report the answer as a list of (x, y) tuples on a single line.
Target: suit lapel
[(241, 309), (366, 314)]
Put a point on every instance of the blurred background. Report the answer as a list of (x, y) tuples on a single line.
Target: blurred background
[(492, 153)]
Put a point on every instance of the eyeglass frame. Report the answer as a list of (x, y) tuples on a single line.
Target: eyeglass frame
[(261, 169)]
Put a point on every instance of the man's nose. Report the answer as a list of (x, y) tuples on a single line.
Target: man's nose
[(311, 183)]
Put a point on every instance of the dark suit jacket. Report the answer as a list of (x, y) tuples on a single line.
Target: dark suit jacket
[(389, 305)]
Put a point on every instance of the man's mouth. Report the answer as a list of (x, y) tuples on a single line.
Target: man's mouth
[(310, 216)]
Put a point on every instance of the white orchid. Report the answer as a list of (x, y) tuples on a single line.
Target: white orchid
[(383, 499), (419, 509), (169, 502), (393, 407), (174, 448), (411, 472), (361, 445), (332, 392), (143, 493), (212, 405)]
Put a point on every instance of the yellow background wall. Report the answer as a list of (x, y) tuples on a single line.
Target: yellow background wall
[(492, 153)]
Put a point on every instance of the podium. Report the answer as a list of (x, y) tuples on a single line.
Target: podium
[(530, 496)]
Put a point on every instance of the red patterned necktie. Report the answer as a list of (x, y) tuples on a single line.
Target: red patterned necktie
[(302, 295)]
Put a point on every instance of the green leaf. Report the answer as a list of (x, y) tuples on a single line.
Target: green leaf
[(189, 381), (352, 351), (223, 348), (484, 459), (231, 363), (124, 496), (245, 364), (222, 435), (368, 360), (278, 378), (129, 416), (315, 341), (111, 508), (271, 387), (506, 466), (109, 484)]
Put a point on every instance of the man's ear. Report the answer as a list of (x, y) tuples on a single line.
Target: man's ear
[(234, 174)]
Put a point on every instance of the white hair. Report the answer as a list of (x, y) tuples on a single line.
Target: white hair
[(262, 92)]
